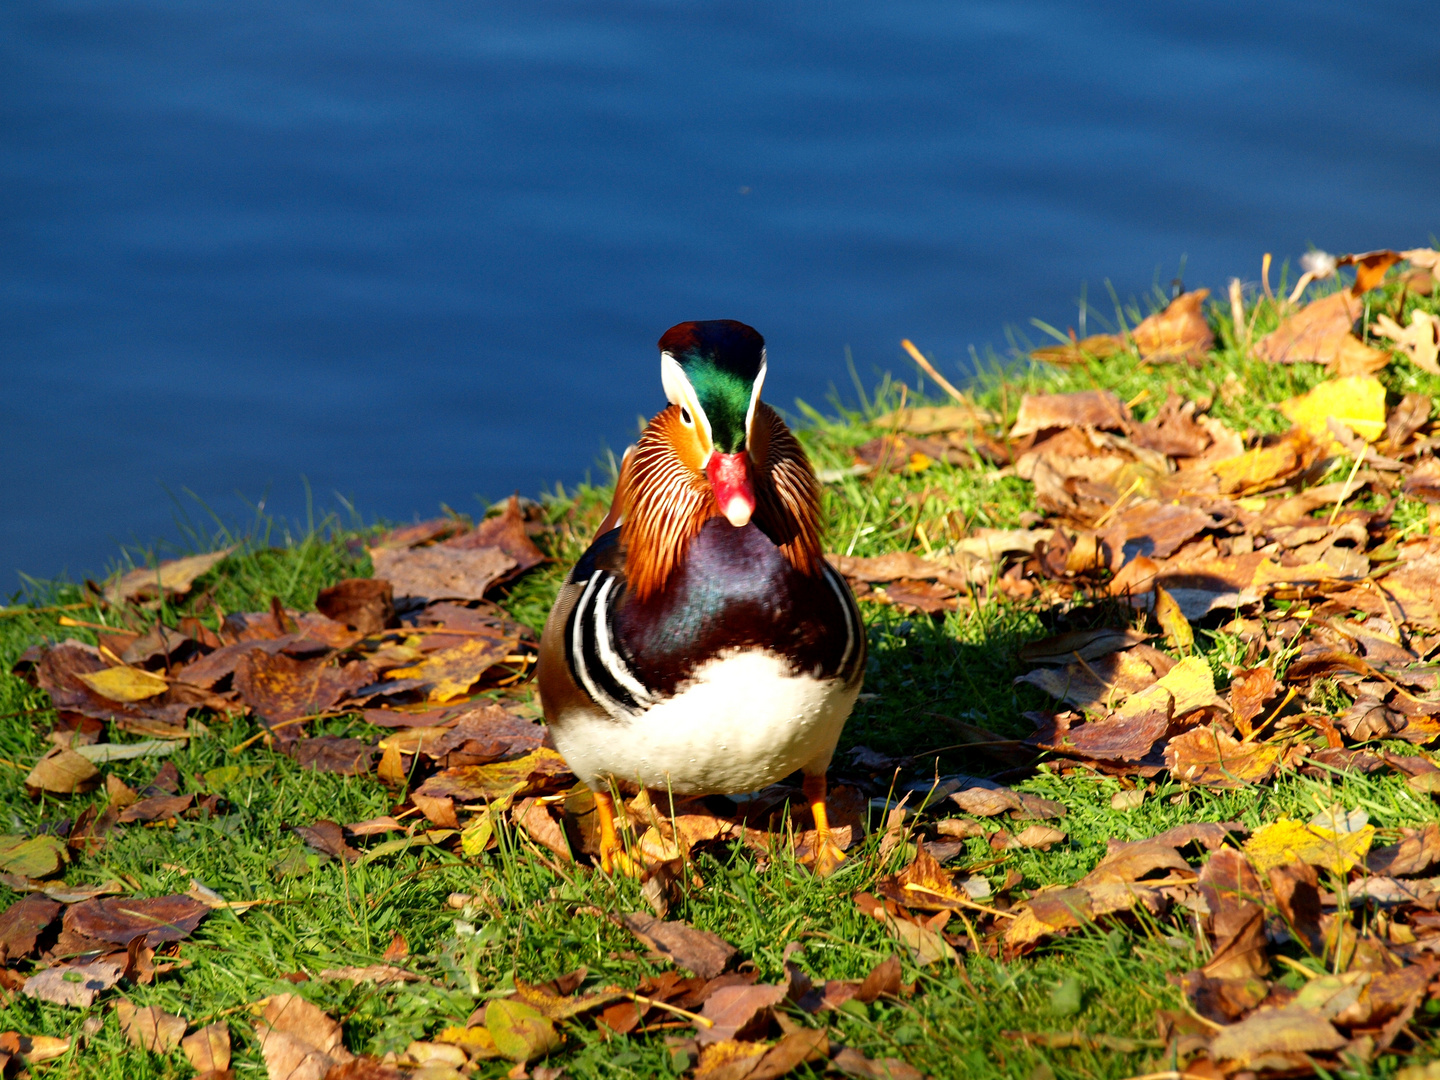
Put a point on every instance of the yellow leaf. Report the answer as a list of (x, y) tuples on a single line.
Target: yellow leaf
[(1287, 841), (475, 1041), (477, 833), (1172, 620), (453, 671), (124, 683), (1358, 402)]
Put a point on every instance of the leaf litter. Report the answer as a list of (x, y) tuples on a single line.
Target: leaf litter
[(1287, 543)]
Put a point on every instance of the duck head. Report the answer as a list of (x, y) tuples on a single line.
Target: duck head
[(713, 372)]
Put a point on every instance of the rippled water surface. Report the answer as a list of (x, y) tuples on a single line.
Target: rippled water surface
[(421, 252)]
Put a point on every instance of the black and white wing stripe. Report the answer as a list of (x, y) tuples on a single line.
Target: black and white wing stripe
[(595, 659), (852, 660)]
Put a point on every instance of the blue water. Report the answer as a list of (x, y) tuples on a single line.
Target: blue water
[(421, 252)]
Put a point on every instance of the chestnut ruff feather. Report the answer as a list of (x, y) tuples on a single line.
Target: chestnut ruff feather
[(666, 503)]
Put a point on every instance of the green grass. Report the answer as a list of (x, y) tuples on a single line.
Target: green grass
[(525, 923)]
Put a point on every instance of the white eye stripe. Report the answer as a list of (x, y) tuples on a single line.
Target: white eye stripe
[(755, 397), (679, 392)]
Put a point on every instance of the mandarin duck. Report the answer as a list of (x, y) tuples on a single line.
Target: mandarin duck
[(702, 644)]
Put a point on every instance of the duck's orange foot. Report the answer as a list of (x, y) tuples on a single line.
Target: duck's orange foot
[(825, 854), (613, 856), (828, 856)]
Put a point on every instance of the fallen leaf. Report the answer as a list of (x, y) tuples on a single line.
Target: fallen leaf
[(1179, 333), (124, 683), (363, 604), (62, 772), (1286, 841), (1356, 402), (986, 801), (150, 1028), (280, 688), (520, 1032), (1250, 691), (1039, 836), (1277, 1031), (441, 573), (208, 1050), (156, 808), (452, 672), (1086, 408), (932, 419), (75, 985), (379, 974), (472, 783), (172, 578), (1087, 644), (1370, 268), (38, 857), (728, 1059), (22, 923), (700, 951), (34, 1049), (328, 838), (506, 531), (297, 1040), (1173, 622), (853, 1063), (334, 754), (1159, 529), (1129, 862), (1420, 341), (104, 753), (1210, 757), (1320, 332), (1261, 467), (1094, 347), (1116, 737), (734, 1010), (1417, 852), (122, 919)]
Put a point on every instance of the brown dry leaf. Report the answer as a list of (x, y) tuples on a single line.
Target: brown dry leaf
[(1094, 347), (452, 672), (541, 827), (1159, 529), (986, 801), (1209, 757), (150, 1028), (924, 884), (728, 1059), (120, 920), (75, 985), (1275, 1031), (334, 754), (1086, 408), (1297, 897), (1127, 862), (1370, 268), (1116, 737), (437, 810), (1410, 589), (482, 735), (472, 783), (506, 531), (891, 566), (1423, 483), (156, 808), (1250, 691), (933, 419), (1039, 836), (734, 1010), (1087, 644), (363, 604), (926, 596), (281, 689), (328, 838), (379, 974), (1420, 341), (442, 573), (1320, 333), (22, 923), (297, 1040), (173, 578), (208, 1050), (700, 951), (62, 772), (1416, 852), (1179, 333), (853, 1063)]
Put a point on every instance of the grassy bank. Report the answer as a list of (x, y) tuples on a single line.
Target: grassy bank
[(536, 922)]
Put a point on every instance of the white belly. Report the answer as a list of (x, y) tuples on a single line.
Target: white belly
[(742, 722)]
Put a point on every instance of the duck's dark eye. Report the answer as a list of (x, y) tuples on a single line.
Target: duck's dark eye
[(685, 415)]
